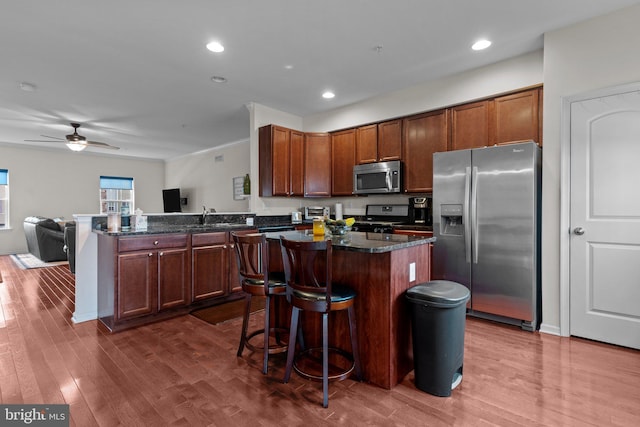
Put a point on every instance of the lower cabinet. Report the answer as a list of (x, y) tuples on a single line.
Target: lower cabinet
[(152, 277)]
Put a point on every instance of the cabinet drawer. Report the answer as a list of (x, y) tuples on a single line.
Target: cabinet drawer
[(129, 244), (209, 239)]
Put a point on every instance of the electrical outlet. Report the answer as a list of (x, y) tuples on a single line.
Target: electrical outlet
[(412, 272)]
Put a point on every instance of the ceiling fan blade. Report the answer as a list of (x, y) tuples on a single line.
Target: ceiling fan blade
[(53, 137), (43, 140), (102, 145)]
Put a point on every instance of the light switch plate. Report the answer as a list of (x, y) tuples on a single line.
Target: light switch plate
[(412, 272)]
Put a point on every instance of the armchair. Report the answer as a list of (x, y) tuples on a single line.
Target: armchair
[(45, 238)]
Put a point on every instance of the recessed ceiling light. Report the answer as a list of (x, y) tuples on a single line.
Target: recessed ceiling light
[(328, 94), (288, 67), (481, 44), (215, 47), (218, 79)]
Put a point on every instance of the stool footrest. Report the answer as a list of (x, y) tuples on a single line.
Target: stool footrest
[(280, 346), (336, 373)]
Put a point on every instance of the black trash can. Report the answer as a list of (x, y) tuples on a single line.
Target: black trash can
[(438, 313)]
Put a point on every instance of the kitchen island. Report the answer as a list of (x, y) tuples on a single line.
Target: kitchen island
[(380, 268)]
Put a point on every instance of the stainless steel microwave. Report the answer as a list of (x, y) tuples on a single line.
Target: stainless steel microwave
[(377, 178)]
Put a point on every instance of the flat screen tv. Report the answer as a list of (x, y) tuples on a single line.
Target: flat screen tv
[(171, 200)]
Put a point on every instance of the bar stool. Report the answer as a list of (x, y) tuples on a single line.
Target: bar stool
[(307, 267), (252, 255)]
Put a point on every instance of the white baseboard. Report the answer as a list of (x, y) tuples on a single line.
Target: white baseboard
[(550, 329), (84, 317)]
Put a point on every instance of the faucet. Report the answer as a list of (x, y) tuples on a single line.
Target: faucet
[(204, 214)]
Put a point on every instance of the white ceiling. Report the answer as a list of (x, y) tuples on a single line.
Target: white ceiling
[(136, 73)]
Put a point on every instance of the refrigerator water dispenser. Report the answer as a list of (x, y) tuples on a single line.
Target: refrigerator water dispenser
[(451, 222)]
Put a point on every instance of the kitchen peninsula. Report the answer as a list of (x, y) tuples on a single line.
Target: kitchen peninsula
[(380, 268), (154, 274)]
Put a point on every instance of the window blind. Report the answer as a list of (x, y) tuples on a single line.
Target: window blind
[(116, 182)]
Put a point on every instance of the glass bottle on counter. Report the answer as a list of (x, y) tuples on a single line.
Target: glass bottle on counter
[(318, 226)]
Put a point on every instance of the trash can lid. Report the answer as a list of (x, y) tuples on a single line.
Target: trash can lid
[(439, 293)]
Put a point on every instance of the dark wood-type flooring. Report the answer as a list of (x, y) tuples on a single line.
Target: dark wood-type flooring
[(185, 372)]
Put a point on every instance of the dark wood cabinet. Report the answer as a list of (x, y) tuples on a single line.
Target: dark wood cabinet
[(137, 284), (141, 277), (516, 118), (296, 154), (173, 278), (280, 161), (367, 144), (210, 265), (470, 125), (343, 158), (390, 140), (379, 142), (424, 134), (317, 165)]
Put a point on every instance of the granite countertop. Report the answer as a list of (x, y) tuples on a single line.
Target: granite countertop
[(167, 229), (359, 242)]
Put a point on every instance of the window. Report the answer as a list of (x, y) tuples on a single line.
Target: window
[(114, 192), (4, 198)]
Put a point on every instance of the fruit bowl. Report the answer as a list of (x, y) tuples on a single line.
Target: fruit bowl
[(338, 230)]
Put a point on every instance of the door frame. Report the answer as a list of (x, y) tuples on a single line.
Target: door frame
[(565, 193)]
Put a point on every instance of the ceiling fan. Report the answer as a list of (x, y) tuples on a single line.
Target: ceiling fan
[(75, 141)]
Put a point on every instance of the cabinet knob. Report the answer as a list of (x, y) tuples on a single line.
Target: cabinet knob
[(155, 243), (150, 254)]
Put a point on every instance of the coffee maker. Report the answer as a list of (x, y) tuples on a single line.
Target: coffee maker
[(420, 211)]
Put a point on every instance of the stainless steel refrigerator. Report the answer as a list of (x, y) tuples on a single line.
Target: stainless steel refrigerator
[(486, 220)]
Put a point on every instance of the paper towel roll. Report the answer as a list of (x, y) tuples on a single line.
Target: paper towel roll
[(338, 211)]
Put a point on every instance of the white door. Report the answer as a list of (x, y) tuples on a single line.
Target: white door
[(605, 219)]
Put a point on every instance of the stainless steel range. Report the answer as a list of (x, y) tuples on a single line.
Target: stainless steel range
[(382, 218)]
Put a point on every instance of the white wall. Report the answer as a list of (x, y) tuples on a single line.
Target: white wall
[(59, 183), (205, 178), (595, 54)]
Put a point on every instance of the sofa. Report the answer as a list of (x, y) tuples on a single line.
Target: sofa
[(45, 238), (70, 244)]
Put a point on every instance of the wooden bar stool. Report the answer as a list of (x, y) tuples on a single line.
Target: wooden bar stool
[(307, 267), (252, 254)]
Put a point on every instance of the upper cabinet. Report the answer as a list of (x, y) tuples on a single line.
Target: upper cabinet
[(470, 125), (379, 142), (343, 158), (317, 165), (281, 161), (516, 118), (294, 163), (424, 134)]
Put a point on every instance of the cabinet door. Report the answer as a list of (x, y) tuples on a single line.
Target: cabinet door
[(424, 134), (367, 144), (173, 278), (317, 165), (343, 158), (281, 165), (209, 271), (470, 125), (296, 156), (273, 147), (516, 118), (390, 140), (137, 284)]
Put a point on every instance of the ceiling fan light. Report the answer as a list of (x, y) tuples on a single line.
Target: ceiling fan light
[(76, 146)]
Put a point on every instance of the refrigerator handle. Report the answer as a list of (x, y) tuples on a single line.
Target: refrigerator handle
[(465, 215), (474, 213)]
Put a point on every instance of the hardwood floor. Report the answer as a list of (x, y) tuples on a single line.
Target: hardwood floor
[(184, 371)]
